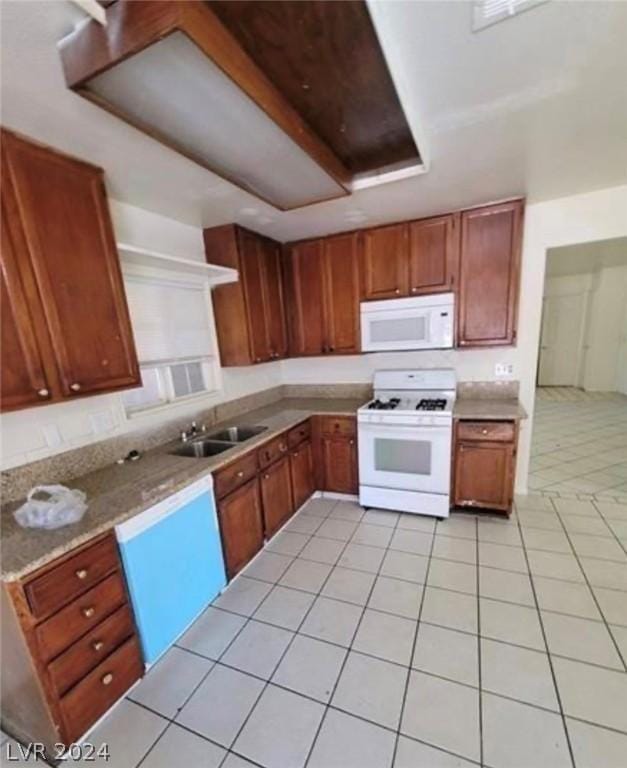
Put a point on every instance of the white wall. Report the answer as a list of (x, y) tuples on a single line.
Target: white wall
[(35, 433), (582, 218)]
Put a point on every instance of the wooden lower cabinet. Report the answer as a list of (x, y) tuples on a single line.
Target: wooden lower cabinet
[(301, 469), (259, 491), (339, 462), (276, 496), (241, 524), (69, 645), (484, 466)]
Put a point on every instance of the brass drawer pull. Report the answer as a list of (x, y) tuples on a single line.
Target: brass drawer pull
[(97, 645), (43, 392), (89, 612), (107, 679), (81, 573), (283, 447)]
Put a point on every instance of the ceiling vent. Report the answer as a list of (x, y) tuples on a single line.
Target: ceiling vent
[(489, 12)]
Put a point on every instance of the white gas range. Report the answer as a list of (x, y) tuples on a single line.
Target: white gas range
[(405, 437)]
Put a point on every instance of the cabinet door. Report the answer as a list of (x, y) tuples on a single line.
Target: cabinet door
[(489, 271), (23, 377), (276, 496), (301, 466), (229, 301), (303, 266), (254, 282), (484, 474), (241, 526), (63, 209), (341, 293), (339, 459), (385, 273), (433, 254), (273, 297)]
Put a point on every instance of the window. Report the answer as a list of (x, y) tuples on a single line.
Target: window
[(173, 329)]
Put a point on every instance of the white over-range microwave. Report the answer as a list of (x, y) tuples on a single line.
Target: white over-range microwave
[(419, 322)]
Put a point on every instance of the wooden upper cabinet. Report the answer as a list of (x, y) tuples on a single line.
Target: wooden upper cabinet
[(253, 281), (489, 275), (323, 291), (249, 314), (341, 293), (305, 293), (60, 240), (385, 273), (275, 303), (23, 377), (433, 254)]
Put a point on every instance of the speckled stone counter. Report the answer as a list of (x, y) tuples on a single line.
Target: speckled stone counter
[(119, 491), (493, 409)]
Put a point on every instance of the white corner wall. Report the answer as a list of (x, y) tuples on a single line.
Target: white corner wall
[(36, 433)]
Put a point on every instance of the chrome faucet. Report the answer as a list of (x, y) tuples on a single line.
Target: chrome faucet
[(193, 431)]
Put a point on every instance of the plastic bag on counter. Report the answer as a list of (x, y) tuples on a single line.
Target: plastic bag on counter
[(51, 506)]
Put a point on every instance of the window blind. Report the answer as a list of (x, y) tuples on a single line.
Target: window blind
[(171, 321)]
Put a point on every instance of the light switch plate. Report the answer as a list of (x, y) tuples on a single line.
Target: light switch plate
[(503, 370)]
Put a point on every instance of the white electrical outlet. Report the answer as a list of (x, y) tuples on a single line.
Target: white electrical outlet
[(52, 435), (503, 370)]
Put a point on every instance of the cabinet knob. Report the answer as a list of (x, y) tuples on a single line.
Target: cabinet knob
[(107, 679), (240, 473), (398, 290), (351, 442), (413, 290), (97, 645), (484, 431), (282, 447), (75, 387), (81, 573), (89, 612), (295, 453), (266, 477), (43, 392)]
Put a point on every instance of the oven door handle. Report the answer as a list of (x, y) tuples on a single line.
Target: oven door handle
[(373, 427)]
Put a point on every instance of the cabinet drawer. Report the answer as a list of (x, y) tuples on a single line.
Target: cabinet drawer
[(101, 688), (236, 474), (338, 425), (59, 585), (502, 431), (61, 630), (86, 653), (272, 451), (300, 433)]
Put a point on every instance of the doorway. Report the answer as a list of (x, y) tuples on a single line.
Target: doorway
[(579, 443)]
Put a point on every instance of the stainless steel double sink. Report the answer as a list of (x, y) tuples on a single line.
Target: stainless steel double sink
[(217, 442)]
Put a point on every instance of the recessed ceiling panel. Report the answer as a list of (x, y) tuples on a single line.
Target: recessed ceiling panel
[(173, 91), (325, 58)]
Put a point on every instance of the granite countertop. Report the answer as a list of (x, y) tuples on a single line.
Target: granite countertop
[(117, 492), (489, 408)]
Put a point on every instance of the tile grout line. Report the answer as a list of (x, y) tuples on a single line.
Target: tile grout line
[(414, 644), (596, 602), (549, 659), (328, 706), (480, 680)]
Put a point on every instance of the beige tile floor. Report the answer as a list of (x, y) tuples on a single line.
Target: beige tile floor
[(470, 641), (579, 444)]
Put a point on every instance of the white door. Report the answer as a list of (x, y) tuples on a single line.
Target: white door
[(561, 340)]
